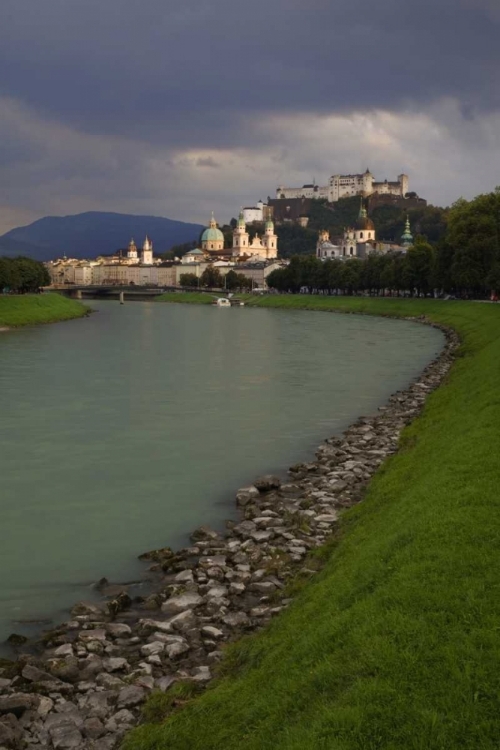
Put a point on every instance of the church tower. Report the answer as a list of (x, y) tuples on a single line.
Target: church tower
[(407, 237), (147, 252), (132, 250), (270, 241), (365, 228), (240, 237)]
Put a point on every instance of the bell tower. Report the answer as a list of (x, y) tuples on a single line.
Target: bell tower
[(147, 252), (270, 241), (240, 236)]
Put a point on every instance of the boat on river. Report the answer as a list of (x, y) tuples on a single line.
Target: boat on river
[(228, 302)]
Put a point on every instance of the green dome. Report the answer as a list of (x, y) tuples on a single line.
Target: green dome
[(212, 234)]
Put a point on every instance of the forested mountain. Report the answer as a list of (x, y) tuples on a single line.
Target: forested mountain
[(93, 233)]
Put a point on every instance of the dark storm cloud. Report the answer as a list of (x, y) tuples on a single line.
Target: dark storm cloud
[(197, 74), (180, 108)]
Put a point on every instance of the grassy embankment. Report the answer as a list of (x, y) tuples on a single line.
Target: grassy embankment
[(28, 309), (395, 643)]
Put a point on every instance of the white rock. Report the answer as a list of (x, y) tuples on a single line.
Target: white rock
[(185, 576), (152, 648), (115, 664), (326, 518), (64, 650), (177, 604), (46, 705), (210, 632), (92, 635), (215, 592), (118, 629), (201, 674), (237, 588), (177, 649), (183, 621)]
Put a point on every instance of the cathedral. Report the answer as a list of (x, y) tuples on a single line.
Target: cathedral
[(147, 253), (357, 242), (259, 248)]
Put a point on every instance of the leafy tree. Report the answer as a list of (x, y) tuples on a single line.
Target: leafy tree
[(188, 279), (231, 280), (419, 266), (211, 277), (243, 281), (23, 275), (351, 275), (493, 280)]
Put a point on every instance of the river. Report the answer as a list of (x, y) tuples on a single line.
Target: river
[(122, 432)]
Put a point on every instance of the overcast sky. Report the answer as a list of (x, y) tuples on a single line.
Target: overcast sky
[(180, 108)]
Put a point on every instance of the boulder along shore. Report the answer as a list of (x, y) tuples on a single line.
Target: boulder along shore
[(83, 684)]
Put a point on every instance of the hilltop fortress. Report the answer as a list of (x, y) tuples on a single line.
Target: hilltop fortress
[(345, 186)]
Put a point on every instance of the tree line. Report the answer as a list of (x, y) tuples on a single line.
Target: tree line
[(22, 275), (213, 279), (465, 262)]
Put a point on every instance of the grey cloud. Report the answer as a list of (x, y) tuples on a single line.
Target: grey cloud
[(207, 162), (131, 104), (191, 73)]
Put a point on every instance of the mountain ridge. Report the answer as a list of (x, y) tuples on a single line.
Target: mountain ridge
[(93, 233)]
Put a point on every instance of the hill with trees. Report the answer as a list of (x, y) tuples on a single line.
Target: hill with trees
[(389, 221), (463, 260)]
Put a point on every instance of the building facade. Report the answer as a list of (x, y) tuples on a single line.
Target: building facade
[(346, 186)]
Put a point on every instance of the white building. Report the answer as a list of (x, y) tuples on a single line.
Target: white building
[(253, 213), (132, 251), (147, 252), (306, 191), (357, 242), (265, 248), (347, 185), (326, 250)]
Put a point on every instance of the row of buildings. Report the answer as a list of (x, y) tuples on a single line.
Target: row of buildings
[(360, 241), (345, 186), (255, 259)]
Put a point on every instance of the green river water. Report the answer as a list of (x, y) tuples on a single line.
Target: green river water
[(124, 431)]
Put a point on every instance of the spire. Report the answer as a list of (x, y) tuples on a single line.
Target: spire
[(213, 223), (362, 210), (407, 237)]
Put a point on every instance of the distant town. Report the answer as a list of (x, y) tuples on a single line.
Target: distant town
[(252, 255)]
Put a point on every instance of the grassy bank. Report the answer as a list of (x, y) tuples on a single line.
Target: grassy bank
[(199, 298), (28, 309), (395, 644)]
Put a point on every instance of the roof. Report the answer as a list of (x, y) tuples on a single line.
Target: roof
[(365, 223), (195, 251), (212, 234)]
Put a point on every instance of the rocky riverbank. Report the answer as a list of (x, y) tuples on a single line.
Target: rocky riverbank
[(85, 686)]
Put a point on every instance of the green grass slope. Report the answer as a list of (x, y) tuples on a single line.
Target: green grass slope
[(28, 309), (198, 298), (395, 644)]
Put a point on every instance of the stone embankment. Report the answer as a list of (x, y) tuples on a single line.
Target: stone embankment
[(86, 686)]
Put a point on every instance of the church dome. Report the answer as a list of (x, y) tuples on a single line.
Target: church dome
[(365, 223), (212, 234)]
